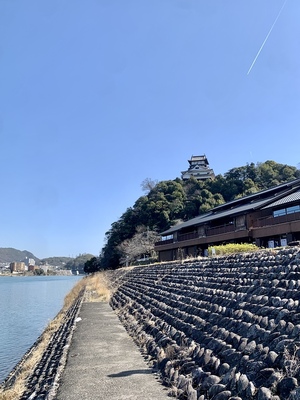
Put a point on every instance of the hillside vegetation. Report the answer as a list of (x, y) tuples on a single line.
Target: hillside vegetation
[(168, 202), (57, 261), (9, 254), (78, 262)]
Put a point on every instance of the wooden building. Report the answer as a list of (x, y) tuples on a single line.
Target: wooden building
[(198, 168), (269, 218)]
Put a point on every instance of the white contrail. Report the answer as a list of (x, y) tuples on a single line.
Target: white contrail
[(264, 42)]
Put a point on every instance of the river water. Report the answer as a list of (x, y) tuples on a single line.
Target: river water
[(27, 305)]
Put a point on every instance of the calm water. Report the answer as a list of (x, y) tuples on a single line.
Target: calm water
[(27, 304)]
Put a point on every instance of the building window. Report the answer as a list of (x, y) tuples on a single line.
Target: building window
[(167, 237), (279, 213), (291, 210), (288, 210)]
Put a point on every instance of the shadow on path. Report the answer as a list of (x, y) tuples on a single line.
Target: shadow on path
[(131, 372)]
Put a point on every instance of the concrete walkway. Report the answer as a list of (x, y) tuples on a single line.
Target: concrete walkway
[(104, 363)]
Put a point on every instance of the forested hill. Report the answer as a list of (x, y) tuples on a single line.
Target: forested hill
[(9, 254), (167, 202)]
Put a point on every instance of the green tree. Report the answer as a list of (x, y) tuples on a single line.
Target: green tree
[(271, 173), (161, 207), (120, 230), (78, 262), (39, 271), (91, 265), (209, 201), (192, 200)]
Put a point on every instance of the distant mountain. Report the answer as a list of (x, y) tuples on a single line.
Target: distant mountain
[(57, 261), (8, 255)]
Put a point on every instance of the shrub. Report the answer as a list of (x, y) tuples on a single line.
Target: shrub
[(232, 248), (291, 360)]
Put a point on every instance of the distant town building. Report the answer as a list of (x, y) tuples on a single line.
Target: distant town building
[(45, 268), (199, 169), (31, 261), (32, 267), (17, 267)]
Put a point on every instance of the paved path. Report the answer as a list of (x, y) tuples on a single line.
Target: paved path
[(104, 363)]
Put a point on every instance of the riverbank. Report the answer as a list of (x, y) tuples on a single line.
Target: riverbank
[(15, 383), (61, 272), (27, 305), (114, 367), (213, 328)]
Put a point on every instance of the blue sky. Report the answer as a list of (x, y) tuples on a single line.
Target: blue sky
[(97, 95)]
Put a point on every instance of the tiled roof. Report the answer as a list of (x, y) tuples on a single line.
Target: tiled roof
[(250, 197), (285, 200)]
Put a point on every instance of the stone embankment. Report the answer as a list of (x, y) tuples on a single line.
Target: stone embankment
[(220, 328)]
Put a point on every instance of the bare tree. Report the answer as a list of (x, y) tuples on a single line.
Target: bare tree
[(148, 184), (140, 245)]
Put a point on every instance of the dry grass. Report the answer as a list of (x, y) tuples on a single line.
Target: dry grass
[(73, 294), (170, 352), (14, 393), (33, 358), (97, 288)]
